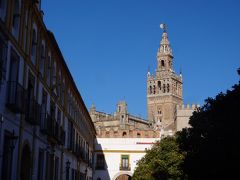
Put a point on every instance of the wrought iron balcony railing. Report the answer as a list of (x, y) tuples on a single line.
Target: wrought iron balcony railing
[(32, 112), (45, 123), (50, 127), (15, 97), (125, 168)]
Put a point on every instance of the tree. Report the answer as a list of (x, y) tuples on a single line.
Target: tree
[(163, 161), (212, 144)]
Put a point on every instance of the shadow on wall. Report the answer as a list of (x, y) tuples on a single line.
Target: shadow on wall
[(100, 165)]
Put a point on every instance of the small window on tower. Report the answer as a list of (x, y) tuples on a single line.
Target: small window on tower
[(154, 89), (159, 85), (162, 63), (150, 89), (168, 88), (124, 134), (164, 88)]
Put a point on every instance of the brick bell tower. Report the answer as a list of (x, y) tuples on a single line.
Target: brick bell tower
[(164, 89)]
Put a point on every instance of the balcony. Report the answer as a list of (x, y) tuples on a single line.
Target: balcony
[(45, 123), (50, 127), (59, 133), (33, 115), (15, 97), (125, 168)]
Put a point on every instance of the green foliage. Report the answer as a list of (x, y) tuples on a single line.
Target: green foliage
[(210, 149), (163, 161), (212, 145)]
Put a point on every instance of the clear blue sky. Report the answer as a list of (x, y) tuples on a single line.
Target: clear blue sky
[(109, 44)]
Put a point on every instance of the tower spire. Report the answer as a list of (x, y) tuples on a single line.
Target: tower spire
[(164, 54), (165, 88), (165, 48)]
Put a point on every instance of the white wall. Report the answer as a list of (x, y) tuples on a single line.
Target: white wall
[(113, 148)]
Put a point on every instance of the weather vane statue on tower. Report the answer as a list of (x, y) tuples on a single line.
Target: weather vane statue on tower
[(164, 27)]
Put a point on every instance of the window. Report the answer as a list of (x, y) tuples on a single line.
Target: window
[(48, 72), (70, 141), (164, 88), (59, 84), (16, 18), (26, 34), (73, 174), (138, 135), (59, 116), (3, 59), (7, 156), (52, 109), (49, 166), (3, 7), (122, 118), (15, 92), (159, 85), (31, 102), (154, 89), (150, 89), (56, 168), (168, 88), (42, 59), (34, 46), (54, 73), (124, 134), (100, 164), (44, 102), (125, 163), (162, 63), (73, 139), (14, 66), (43, 121), (63, 92), (40, 164)]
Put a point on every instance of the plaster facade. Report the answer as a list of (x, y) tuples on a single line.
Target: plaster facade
[(46, 131)]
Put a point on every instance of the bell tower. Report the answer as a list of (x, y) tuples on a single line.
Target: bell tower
[(164, 88)]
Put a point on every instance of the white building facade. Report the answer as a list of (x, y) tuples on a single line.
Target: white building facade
[(116, 158), (46, 132)]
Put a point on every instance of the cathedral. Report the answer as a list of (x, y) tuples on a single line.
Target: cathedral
[(166, 111), (122, 139)]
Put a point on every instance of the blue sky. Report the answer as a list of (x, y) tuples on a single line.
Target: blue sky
[(109, 45)]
